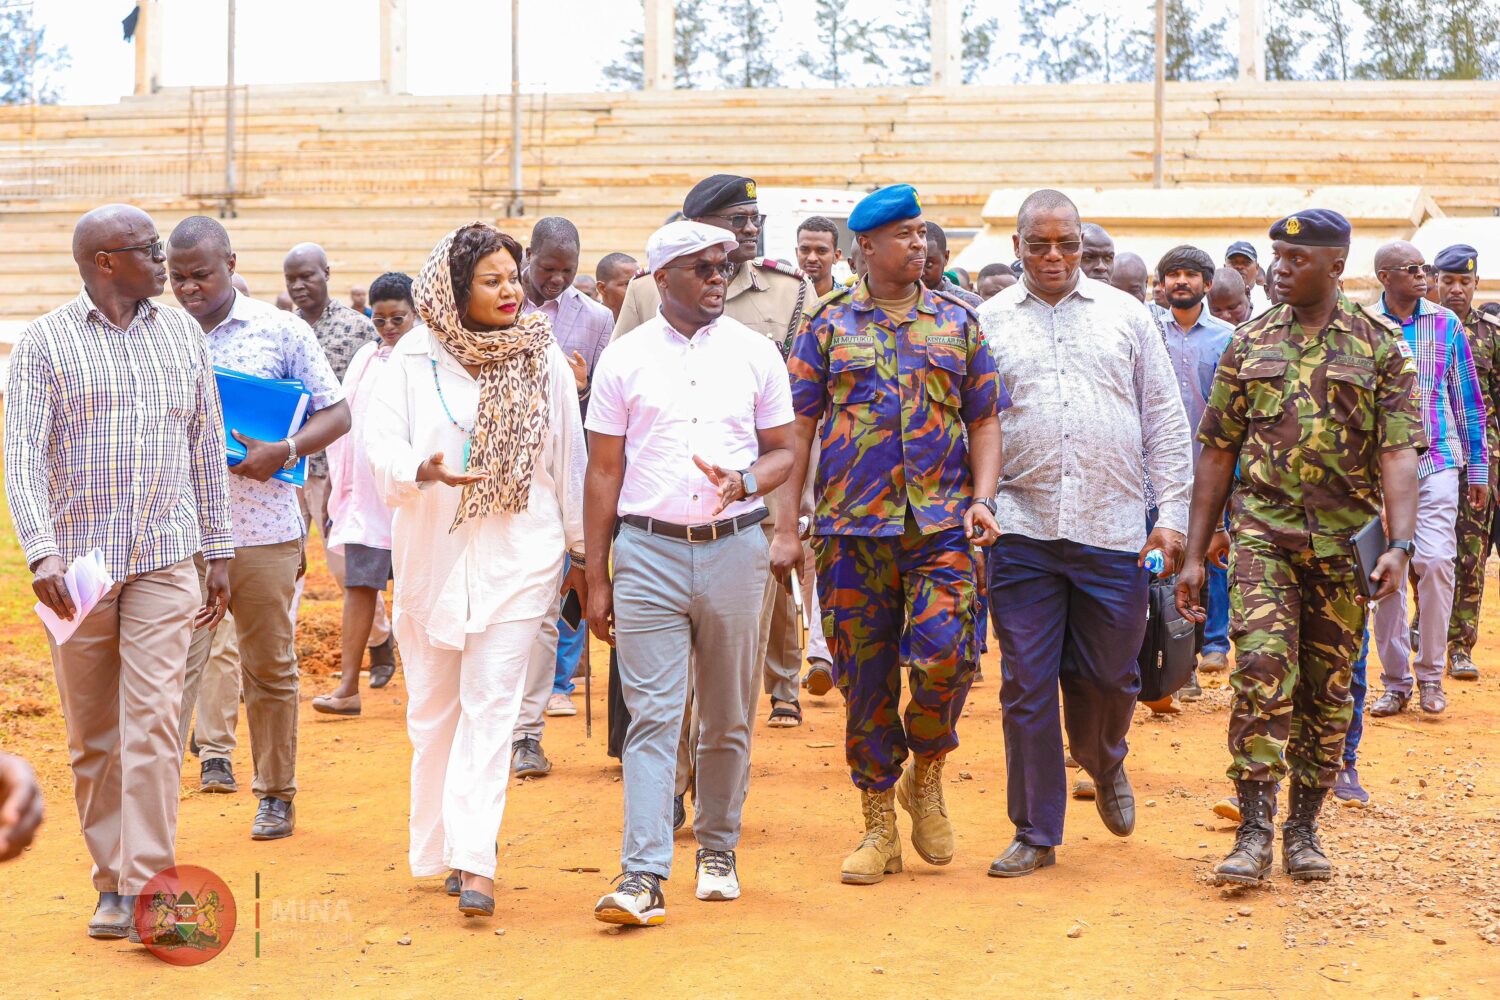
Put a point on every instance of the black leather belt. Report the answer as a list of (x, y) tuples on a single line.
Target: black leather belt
[(696, 532)]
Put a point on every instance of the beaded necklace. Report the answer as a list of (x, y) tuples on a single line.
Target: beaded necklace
[(468, 432)]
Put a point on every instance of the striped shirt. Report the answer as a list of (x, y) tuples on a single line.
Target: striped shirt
[(114, 440), (1449, 394)]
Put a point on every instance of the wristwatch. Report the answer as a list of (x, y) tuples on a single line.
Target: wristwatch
[(989, 503), (1404, 544), (748, 483), (291, 456)]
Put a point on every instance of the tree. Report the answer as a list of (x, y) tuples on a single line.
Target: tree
[(1465, 35), (980, 36), (908, 38), (1397, 39), (1333, 60), (845, 40), (1192, 53), (689, 35), (744, 46), (1282, 48), (28, 65), (1057, 40)]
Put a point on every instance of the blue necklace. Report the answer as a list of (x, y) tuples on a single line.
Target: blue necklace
[(468, 432)]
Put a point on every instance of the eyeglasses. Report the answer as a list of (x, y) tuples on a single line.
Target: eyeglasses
[(741, 221), (153, 249), (704, 270), (1411, 269), (395, 320), (1041, 248)]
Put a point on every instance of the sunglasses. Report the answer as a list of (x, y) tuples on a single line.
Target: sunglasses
[(1412, 269), (704, 270), (153, 249), (395, 320), (741, 221), (1040, 249)]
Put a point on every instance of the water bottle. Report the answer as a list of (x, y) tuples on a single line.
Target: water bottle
[(1156, 561)]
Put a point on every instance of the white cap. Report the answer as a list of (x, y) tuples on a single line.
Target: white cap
[(678, 239)]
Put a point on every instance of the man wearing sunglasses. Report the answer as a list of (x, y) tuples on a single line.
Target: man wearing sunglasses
[(1453, 411), (114, 442), (907, 397), (689, 437)]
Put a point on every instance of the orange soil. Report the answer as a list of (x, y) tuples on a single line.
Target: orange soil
[(1407, 915)]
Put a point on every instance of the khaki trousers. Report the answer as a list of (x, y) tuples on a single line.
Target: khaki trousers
[(261, 581), (119, 678), (211, 687)]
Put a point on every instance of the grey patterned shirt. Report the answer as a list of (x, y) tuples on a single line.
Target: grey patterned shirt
[(1094, 409), (341, 331)]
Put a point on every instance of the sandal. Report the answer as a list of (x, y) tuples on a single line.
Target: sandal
[(784, 714)]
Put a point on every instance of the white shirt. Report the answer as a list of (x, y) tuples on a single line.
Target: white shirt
[(499, 568), (355, 504), (671, 398), (1094, 408), (258, 339)]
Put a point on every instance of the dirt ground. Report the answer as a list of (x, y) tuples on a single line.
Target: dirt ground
[(1414, 909)]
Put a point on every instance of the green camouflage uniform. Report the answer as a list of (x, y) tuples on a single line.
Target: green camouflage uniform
[(1309, 417), (1474, 526)]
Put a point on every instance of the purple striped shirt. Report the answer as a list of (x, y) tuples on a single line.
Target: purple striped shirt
[(1451, 399)]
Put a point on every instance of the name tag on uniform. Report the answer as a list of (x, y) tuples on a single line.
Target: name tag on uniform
[(1353, 361), (853, 340), (946, 340)]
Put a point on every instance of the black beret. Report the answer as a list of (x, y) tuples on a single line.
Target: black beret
[(716, 192), (1460, 258), (1316, 227)]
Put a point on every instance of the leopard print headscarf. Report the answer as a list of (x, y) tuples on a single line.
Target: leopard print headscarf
[(511, 420)]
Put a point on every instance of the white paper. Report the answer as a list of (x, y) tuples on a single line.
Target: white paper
[(88, 580)]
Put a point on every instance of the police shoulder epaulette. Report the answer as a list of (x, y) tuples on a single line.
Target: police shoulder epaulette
[(943, 293), (775, 264), (1379, 318), (838, 293)]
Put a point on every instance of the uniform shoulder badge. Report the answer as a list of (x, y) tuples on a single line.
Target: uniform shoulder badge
[(838, 294), (778, 265), (1381, 320)]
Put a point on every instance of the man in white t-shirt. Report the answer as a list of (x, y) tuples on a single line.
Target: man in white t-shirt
[(689, 430)]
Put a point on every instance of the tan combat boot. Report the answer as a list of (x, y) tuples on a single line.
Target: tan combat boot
[(920, 792), (879, 853)]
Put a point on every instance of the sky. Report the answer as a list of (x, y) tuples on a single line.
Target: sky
[(454, 46)]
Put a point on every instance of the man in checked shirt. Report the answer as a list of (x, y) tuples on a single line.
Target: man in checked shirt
[(113, 441)]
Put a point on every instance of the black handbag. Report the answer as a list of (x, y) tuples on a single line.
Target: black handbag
[(1170, 647)]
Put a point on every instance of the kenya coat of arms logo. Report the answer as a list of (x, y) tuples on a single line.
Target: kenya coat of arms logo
[(185, 915)]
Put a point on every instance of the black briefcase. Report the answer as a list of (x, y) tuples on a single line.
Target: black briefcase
[(1169, 650)]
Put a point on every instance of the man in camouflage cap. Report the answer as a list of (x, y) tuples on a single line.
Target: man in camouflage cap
[(1457, 279), (905, 482), (1314, 400)]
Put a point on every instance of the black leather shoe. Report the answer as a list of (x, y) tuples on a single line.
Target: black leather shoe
[(382, 663), (1021, 858), (679, 814), (217, 776), (1390, 703), (1115, 801), (112, 917), (1431, 697), (473, 903), (276, 818), (453, 884)]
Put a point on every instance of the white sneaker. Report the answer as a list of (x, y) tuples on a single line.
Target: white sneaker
[(717, 880), (560, 704), (637, 902)]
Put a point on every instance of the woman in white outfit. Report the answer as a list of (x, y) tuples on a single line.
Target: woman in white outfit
[(475, 439)]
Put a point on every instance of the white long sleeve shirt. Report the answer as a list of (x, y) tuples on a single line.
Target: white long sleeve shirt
[(499, 568)]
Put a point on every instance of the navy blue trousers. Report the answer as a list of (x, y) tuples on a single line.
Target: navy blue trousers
[(1070, 615)]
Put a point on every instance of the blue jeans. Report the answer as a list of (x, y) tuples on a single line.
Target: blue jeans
[(1357, 691), (1216, 627), (569, 648)]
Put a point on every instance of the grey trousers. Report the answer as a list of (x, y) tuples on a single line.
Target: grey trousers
[(686, 608)]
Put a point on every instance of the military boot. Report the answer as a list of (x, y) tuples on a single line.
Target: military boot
[(879, 853), (1250, 861), (920, 792), (1302, 857)]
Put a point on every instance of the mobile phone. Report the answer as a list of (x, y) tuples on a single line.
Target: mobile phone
[(572, 610)]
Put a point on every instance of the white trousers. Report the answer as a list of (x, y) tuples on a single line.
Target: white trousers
[(461, 711), (1436, 546)]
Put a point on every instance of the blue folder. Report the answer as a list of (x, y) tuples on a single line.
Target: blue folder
[(263, 409)]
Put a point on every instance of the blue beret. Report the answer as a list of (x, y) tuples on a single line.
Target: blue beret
[(1316, 227), (1460, 258), (716, 192), (889, 204)]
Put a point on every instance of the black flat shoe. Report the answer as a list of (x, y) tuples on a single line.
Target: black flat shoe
[(1115, 801), (472, 903), (1021, 858), (453, 884)]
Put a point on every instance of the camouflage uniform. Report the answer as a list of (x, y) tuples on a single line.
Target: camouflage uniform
[(1475, 526), (1309, 417), (895, 570)]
